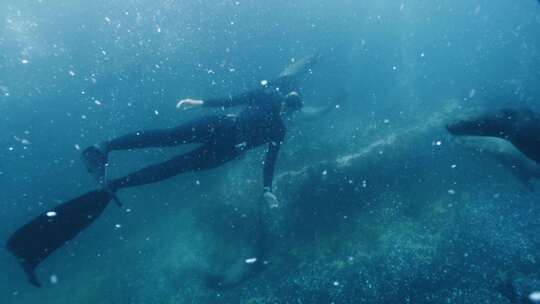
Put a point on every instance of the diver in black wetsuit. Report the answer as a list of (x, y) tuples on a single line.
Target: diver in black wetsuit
[(223, 138)]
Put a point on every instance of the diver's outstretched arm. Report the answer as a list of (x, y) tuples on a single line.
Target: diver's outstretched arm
[(310, 114), (229, 101)]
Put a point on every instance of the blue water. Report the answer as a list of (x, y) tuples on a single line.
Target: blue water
[(414, 217)]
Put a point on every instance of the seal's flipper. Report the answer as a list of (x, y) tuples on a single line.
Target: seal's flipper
[(36, 240), (524, 178)]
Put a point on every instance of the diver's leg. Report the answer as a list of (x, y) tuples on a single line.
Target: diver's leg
[(205, 157), (194, 131)]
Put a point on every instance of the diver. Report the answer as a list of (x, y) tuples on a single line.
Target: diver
[(222, 138)]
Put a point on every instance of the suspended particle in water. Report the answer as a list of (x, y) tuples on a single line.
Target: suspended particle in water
[(156, 112), (24, 61), (118, 226), (394, 68), (54, 279), (324, 172), (4, 90), (451, 191), (386, 121), (251, 260), (472, 92), (264, 82), (336, 283), (77, 147), (97, 102), (535, 297), (72, 73), (22, 140), (454, 166), (51, 214)]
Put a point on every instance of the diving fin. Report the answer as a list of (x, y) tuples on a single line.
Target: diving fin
[(40, 237)]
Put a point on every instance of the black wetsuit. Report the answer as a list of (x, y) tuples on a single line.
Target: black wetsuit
[(223, 138)]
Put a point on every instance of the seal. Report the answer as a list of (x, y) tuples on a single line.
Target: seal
[(521, 127), (509, 157)]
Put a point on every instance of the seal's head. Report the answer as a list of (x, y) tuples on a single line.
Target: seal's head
[(499, 124)]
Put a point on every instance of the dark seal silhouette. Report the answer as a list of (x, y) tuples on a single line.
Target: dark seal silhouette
[(519, 126)]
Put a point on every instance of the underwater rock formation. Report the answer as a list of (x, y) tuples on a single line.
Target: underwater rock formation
[(389, 219)]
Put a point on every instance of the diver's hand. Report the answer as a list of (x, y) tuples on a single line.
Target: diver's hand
[(189, 103), (271, 199)]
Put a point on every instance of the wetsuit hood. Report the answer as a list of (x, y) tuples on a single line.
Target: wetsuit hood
[(293, 102)]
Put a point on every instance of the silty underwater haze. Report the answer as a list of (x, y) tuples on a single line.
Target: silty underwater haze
[(377, 201)]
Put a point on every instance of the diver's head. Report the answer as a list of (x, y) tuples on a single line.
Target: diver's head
[(293, 102)]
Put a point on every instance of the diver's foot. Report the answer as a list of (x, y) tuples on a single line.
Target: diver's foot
[(95, 160)]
